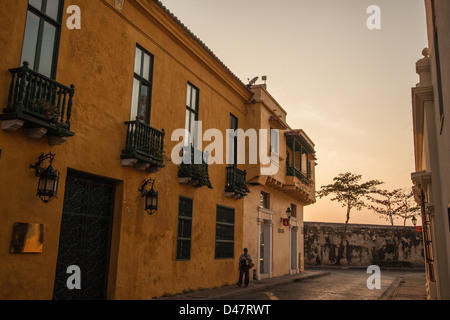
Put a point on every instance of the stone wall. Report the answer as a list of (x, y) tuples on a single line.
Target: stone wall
[(364, 245)]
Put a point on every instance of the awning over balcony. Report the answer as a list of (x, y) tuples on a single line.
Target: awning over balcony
[(299, 138)]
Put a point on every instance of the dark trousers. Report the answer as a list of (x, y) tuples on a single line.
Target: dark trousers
[(244, 271)]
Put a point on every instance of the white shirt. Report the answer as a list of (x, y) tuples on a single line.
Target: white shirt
[(247, 259)]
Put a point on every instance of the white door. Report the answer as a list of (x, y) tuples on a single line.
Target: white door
[(294, 248), (265, 247)]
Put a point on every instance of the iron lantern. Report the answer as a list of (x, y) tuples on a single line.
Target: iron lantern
[(48, 178), (289, 215), (414, 220), (151, 196), (289, 212)]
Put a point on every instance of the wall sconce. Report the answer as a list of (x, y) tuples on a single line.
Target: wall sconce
[(151, 196), (414, 220), (48, 178), (289, 212), (289, 215)]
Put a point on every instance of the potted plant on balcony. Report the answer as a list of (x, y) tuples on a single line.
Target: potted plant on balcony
[(48, 110), (159, 156), (184, 174), (200, 176), (197, 175)]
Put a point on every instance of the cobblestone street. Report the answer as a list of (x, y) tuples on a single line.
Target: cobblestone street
[(339, 284)]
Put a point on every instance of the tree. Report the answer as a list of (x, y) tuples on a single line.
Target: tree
[(395, 204), (410, 208), (389, 206), (348, 191)]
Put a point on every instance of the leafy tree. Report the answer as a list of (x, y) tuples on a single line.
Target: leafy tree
[(387, 204), (395, 204), (409, 208), (350, 192)]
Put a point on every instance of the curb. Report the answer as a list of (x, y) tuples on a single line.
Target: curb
[(393, 289)]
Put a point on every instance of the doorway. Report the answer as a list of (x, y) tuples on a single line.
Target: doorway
[(294, 248), (264, 255), (85, 236)]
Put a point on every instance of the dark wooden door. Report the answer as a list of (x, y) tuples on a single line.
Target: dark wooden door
[(85, 236)]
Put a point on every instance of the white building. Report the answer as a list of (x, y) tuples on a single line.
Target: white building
[(431, 121)]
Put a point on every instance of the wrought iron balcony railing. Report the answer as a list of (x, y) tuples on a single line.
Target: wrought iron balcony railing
[(194, 168), (144, 143), (236, 182), (39, 102), (294, 172)]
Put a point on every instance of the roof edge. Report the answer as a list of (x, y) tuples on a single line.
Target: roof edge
[(175, 19)]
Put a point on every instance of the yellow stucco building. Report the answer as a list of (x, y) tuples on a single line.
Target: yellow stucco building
[(92, 109)]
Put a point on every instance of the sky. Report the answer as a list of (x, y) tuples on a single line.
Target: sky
[(347, 86)]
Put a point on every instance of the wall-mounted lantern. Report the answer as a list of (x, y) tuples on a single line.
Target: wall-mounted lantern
[(289, 212), (289, 215), (48, 178), (151, 196)]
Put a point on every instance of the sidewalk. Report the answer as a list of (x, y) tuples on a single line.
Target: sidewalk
[(222, 293), (410, 287)]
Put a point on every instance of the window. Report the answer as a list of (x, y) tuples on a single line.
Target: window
[(192, 113), (273, 140), (448, 208), (224, 233), (142, 85), (437, 58), (184, 229), (232, 157), (41, 37), (294, 210), (264, 200)]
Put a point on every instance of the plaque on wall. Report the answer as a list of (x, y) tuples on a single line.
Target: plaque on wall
[(27, 238), (118, 4)]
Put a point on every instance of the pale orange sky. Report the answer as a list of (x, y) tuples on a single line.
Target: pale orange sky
[(347, 87)]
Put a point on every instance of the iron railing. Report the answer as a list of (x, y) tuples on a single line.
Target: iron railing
[(294, 172), (194, 165), (38, 99), (144, 143), (236, 180)]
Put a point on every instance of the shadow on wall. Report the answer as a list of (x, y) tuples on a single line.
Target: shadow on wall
[(385, 246)]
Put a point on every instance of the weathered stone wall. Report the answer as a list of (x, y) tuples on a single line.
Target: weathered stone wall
[(363, 245)]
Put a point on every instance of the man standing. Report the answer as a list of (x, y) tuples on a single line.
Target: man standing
[(244, 267)]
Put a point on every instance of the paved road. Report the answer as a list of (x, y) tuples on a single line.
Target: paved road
[(350, 284)]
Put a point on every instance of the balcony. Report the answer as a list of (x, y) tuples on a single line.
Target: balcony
[(144, 147), (294, 172), (236, 186), (38, 104), (194, 168), (299, 181)]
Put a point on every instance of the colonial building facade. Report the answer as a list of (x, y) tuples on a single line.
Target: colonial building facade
[(273, 211), (431, 179), (90, 184)]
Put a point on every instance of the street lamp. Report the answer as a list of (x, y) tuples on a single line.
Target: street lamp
[(289, 215), (48, 178), (414, 220), (151, 196), (289, 212)]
